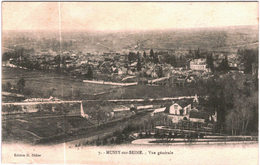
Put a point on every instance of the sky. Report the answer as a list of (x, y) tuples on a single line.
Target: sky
[(126, 15)]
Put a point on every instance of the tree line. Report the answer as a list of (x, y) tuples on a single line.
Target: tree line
[(235, 97)]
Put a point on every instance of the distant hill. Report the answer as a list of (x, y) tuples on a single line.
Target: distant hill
[(212, 39)]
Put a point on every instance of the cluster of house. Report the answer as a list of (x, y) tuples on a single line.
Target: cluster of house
[(187, 110), (182, 109), (116, 66)]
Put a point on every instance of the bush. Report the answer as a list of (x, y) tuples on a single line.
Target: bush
[(140, 135), (105, 141), (170, 135)]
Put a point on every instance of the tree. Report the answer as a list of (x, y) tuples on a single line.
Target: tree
[(232, 121), (226, 63), (21, 85), (197, 53), (131, 57), (63, 61), (223, 66), (160, 72), (46, 108), (190, 52), (89, 73), (235, 98), (139, 66), (98, 113), (138, 55), (156, 59), (51, 92), (144, 54), (57, 60), (241, 115), (7, 87), (248, 57), (209, 61), (6, 56), (78, 94), (151, 54), (170, 59)]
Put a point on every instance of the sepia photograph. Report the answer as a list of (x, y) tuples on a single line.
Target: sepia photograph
[(130, 83)]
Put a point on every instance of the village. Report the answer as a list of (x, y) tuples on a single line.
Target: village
[(188, 117), (157, 67), (130, 83), (133, 90)]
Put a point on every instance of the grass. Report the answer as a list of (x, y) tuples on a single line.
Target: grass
[(48, 126), (41, 83), (146, 91)]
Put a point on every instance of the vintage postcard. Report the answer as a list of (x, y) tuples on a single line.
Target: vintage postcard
[(130, 83)]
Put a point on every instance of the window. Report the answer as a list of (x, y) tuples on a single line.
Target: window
[(175, 106), (181, 112)]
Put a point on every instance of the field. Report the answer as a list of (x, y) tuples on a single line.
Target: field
[(211, 39), (57, 128), (41, 83), (41, 127), (153, 92)]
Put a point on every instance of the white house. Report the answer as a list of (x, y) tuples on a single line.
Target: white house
[(199, 64), (180, 108)]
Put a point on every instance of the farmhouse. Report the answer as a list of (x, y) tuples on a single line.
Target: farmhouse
[(187, 109), (181, 107)]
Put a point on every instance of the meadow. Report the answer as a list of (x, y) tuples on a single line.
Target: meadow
[(41, 84), (153, 92)]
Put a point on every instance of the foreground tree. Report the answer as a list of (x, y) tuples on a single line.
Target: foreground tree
[(242, 114), (235, 97), (98, 113), (21, 85), (248, 57)]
